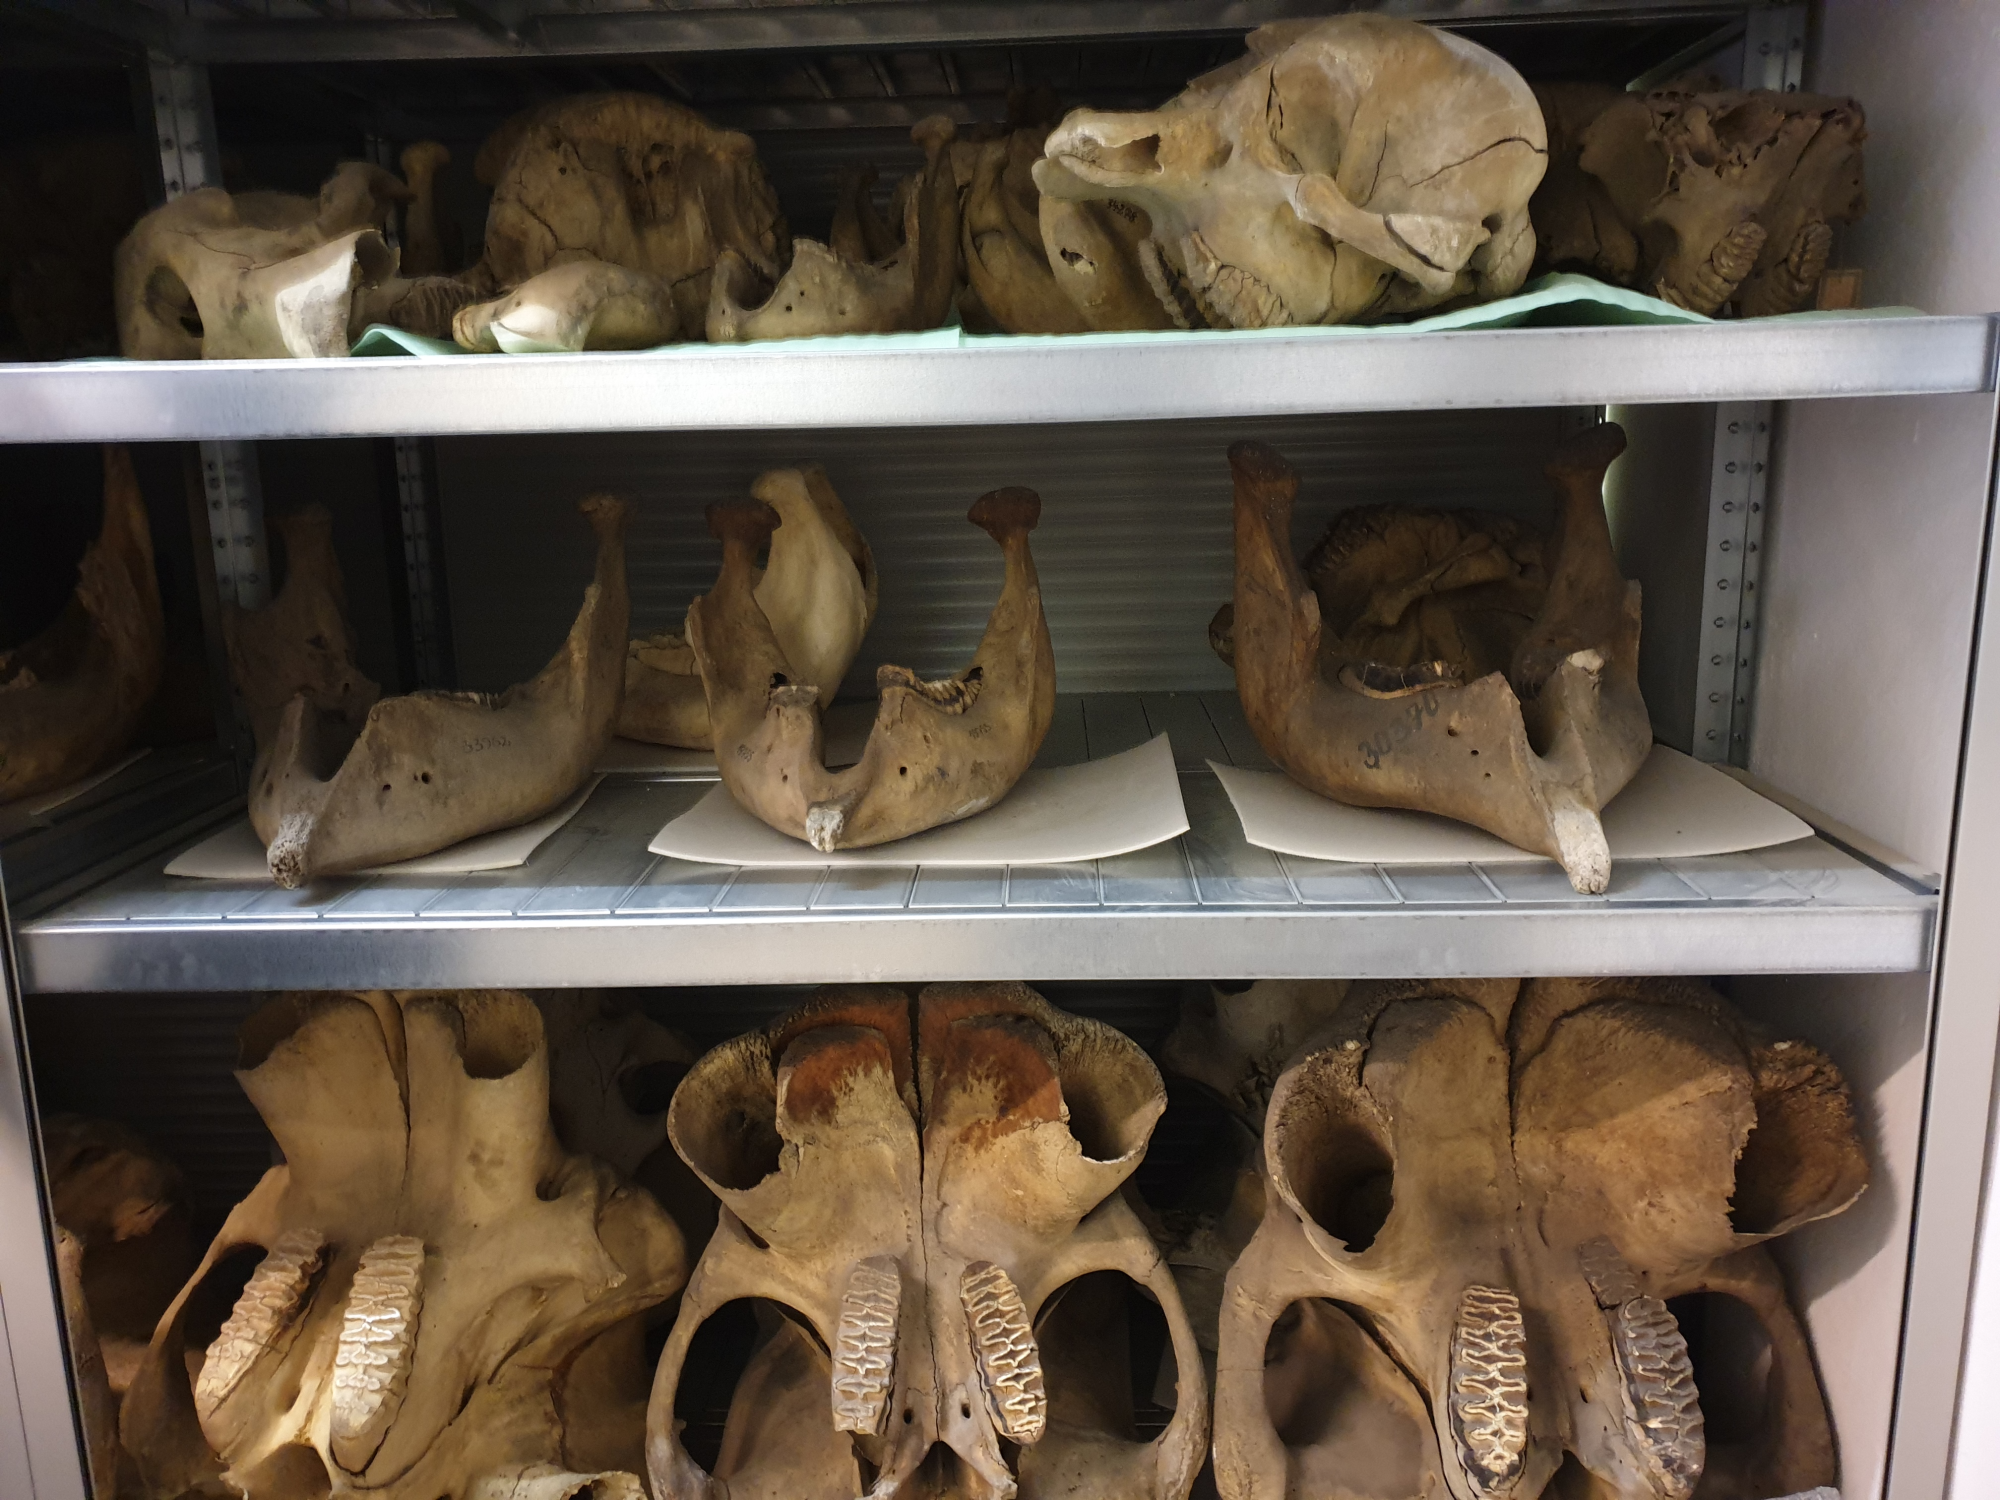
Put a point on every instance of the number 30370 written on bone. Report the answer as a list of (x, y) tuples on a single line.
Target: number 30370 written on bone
[(1379, 746)]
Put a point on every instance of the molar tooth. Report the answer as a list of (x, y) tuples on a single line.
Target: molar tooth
[(864, 1347), (1662, 1408), (263, 1315), (378, 1337), (1488, 1402), (1003, 1346)]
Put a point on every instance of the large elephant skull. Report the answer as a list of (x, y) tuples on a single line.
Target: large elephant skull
[(933, 1192), (1346, 170), (1483, 1194), (438, 1273)]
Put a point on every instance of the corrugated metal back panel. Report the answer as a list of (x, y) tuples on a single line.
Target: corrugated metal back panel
[(1134, 548), (163, 1065)]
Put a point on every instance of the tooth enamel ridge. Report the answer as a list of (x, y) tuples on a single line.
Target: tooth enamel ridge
[(864, 1347), (1662, 1408), (378, 1337), (1489, 1388), (1003, 1346), (263, 1315)]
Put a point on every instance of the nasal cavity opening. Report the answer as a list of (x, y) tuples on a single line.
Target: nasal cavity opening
[(1135, 158), (1108, 1357), (1344, 1408), (1344, 1177), (1731, 1356)]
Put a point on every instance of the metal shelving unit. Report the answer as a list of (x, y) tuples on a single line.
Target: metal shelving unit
[(594, 907)]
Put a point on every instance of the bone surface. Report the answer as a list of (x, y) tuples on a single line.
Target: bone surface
[(1715, 200), (930, 1187), (578, 305), (1483, 1194), (1346, 170), (436, 1274), (1450, 662), (257, 275), (818, 591), (70, 698), (826, 291), (301, 642), (432, 769), (939, 751), (631, 180)]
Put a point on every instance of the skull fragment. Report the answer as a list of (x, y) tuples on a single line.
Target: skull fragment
[(1346, 170), (71, 696), (1483, 1196), (260, 275), (818, 591), (630, 180), (1713, 200), (438, 1278), (1450, 662), (938, 752), (931, 1193)]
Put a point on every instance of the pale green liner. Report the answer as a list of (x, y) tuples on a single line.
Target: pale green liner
[(1563, 300)]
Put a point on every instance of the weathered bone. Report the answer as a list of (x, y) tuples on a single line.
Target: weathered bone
[(818, 591), (1093, 251), (439, 1277), (301, 642), (1528, 745), (632, 180), (422, 239), (256, 276), (96, 1407), (825, 292), (1346, 170), (578, 305), (71, 697), (1504, 1183), (920, 1186), (1708, 199), (433, 768), (938, 752)]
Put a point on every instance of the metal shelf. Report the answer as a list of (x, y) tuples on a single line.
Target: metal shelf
[(593, 907), (852, 383), (218, 31)]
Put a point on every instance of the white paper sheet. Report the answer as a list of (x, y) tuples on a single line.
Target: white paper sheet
[(845, 727), (1675, 808), (1071, 813), (237, 853), (23, 812)]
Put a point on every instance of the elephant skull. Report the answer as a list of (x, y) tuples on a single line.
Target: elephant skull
[(438, 1274), (1483, 1194), (932, 1192), (1346, 170), (1711, 199)]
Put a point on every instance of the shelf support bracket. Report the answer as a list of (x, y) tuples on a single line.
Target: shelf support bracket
[(1774, 48), (1733, 567)]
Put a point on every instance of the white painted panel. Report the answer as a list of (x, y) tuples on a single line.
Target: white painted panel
[(1870, 577), (1846, 1273)]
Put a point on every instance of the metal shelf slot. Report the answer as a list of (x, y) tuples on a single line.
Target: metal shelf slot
[(1738, 478)]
